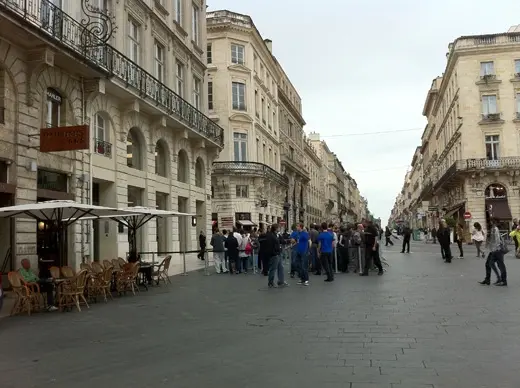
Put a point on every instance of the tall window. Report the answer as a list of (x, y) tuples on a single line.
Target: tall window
[(54, 101), (263, 110), (179, 74), (517, 105), (100, 127), (517, 66), (492, 147), (240, 146), (489, 105), (159, 61), (209, 54), (237, 54), (269, 115), (210, 95), (133, 40), (487, 68), (195, 23), (178, 11), (101, 5), (242, 191), (257, 104), (239, 95), (196, 92)]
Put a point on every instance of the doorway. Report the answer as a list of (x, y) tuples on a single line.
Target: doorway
[(183, 224)]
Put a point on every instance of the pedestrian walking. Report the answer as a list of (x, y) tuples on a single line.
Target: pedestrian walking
[(202, 245), (444, 237), (302, 255), (262, 257), (459, 238), (407, 235), (371, 250), (434, 235), (497, 250), (232, 246), (217, 242), (388, 237), (478, 236), (343, 245)]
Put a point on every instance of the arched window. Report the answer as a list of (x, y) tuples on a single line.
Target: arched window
[(183, 167), (161, 158), (134, 149), (495, 191), (200, 180), (102, 143)]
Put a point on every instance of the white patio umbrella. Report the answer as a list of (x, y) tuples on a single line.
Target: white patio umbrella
[(60, 214), (137, 216)]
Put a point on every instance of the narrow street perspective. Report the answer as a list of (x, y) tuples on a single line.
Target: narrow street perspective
[(423, 325)]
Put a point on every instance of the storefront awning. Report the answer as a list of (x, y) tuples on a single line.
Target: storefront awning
[(246, 223), (498, 208)]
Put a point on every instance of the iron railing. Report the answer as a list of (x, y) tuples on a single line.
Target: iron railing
[(250, 168), (102, 147), (88, 46)]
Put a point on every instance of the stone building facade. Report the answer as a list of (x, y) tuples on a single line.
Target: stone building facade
[(140, 91)]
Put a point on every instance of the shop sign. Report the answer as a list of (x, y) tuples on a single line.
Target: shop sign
[(64, 138)]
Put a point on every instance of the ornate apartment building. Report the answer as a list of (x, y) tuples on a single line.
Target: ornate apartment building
[(248, 186), (130, 78), (471, 145)]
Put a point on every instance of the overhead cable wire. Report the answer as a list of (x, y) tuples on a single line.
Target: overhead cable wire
[(375, 133)]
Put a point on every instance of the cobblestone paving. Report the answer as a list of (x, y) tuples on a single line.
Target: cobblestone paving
[(425, 324)]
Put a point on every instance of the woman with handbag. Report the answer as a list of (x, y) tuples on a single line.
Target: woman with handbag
[(497, 250)]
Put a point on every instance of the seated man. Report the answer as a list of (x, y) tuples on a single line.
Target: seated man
[(45, 284)]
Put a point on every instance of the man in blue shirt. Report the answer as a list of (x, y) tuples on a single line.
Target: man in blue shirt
[(325, 239), (302, 257), (295, 235)]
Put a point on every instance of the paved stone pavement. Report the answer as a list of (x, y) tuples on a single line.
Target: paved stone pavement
[(425, 324)]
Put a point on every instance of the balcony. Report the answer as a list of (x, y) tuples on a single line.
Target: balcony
[(491, 118), (481, 41), (250, 169), (510, 162), (292, 164), (427, 190), (102, 147), (87, 43)]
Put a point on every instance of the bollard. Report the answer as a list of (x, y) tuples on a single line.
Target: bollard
[(206, 264), (184, 272), (336, 259), (255, 262)]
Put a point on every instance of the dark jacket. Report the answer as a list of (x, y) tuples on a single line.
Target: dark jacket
[(202, 241), (231, 244), (371, 234), (443, 235), (407, 232), (271, 245), (217, 242), (261, 244)]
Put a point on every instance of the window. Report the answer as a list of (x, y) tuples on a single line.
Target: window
[(492, 147), (263, 110), (487, 68), (159, 61), (274, 118), (100, 5), (179, 73), (195, 23), (489, 105), (242, 191), (133, 40), (209, 54), (210, 95), (54, 100), (237, 54), (178, 12), (257, 104), (255, 63), (196, 92), (240, 146), (100, 127), (239, 95), (269, 115), (517, 66)]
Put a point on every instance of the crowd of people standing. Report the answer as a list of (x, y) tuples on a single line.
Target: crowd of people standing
[(315, 249)]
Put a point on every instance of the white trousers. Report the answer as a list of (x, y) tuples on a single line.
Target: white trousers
[(220, 262)]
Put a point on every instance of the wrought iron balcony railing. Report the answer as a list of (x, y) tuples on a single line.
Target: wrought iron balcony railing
[(250, 168), (102, 147), (87, 41)]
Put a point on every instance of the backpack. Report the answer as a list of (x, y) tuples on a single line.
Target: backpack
[(356, 238), (249, 248)]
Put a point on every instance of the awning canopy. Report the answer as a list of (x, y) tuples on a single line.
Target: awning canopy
[(246, 223), (65, 212), (498, 208)]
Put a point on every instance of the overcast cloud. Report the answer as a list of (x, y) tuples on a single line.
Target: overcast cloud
[(365, 67)]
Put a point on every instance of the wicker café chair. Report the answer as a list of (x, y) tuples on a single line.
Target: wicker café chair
[(107, 263), (97, 268), (72, 291), (127, 278), (85, 266), (161, 271), (28, 296), (67, 272), (55, 272)]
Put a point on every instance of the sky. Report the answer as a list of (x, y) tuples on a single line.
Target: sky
[(365, 66)]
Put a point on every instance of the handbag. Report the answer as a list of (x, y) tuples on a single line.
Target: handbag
[(503, 246)]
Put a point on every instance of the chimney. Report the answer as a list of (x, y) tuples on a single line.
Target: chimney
[(269, 44)]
